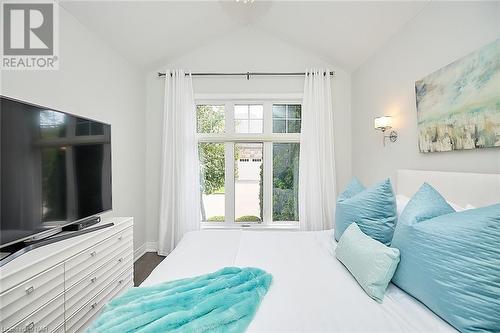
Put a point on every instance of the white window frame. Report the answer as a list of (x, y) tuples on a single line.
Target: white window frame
[(229, 138)]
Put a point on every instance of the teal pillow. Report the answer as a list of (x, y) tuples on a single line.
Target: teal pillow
[(373, 209), (352, 189), (370, 262), (450, 261)]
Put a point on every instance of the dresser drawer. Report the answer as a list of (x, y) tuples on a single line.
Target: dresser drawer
[(87, 288), (83, 317), (95, 256), (27, 297), (46, 319)]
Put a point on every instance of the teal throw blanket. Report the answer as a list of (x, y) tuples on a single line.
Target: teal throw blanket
[(223, 301)]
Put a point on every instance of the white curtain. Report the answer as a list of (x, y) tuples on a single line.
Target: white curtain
[(180, 189), (317, 163)]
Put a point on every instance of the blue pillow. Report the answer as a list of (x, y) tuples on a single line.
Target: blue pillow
[(450, 261), (370, 262), (373, 209), (352, 189)]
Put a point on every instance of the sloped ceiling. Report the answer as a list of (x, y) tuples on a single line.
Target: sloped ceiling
[(148, 32)]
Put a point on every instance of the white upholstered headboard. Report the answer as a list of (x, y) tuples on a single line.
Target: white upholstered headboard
[(477, 189)]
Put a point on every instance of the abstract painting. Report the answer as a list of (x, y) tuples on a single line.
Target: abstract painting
[(458, 106)]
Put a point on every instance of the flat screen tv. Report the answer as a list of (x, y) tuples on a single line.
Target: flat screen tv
[(55, 169)]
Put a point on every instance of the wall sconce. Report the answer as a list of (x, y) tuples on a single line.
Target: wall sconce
[(383, 124)]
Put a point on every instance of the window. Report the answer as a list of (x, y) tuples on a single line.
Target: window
[(249, 162), (286, 118), (88, 127), (248, 182), (212, 167), (248, 118), (52, 124), (210, 118), (285, 181)]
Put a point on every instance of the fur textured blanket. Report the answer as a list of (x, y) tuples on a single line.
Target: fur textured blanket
[(223, 301)]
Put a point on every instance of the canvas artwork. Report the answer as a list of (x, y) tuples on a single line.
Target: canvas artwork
[(458, 106)]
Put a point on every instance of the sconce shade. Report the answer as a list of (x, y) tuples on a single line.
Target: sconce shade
[(382, 123)]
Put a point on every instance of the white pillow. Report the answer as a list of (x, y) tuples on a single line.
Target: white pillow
[(456, 207), (401, 202)]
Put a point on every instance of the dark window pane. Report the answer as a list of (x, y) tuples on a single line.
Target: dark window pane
[(285, 181), (88, 127), (286, 118), (96, 128), (293, 126), (294, 111), (279, 111), (88, 178), (54, 184), (279, 126)]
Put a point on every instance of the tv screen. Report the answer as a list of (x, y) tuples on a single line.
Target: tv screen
[(55, 169)]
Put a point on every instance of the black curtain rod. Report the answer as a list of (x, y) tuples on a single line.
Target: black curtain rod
[(248, 74)]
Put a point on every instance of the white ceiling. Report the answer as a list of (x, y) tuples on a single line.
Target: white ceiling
[(147, 32)]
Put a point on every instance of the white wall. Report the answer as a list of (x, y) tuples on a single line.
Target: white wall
[(95, 82), (244, 50), (442, 33)]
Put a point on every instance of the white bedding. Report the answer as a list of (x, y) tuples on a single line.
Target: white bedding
[(311, 291)]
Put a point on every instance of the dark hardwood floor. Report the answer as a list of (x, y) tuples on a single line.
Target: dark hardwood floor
[(145, 265)]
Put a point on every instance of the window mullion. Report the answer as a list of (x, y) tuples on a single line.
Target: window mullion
[(268, 118), (229, 118), (229, 163), (286, 118), (229, 180), (268, 164), (268, 183), (282, 137)]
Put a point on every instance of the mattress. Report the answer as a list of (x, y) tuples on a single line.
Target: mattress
[(311, 291)]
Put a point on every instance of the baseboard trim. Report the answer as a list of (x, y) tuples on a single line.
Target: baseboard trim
[(151, 246), (146, 247), (139, 252)]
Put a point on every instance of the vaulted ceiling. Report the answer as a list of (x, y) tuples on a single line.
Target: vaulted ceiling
[(146, 32)]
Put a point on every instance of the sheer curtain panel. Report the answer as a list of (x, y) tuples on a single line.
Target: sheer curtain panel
[(317, 162), (180, 189)]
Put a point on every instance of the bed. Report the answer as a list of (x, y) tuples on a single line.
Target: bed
[(312, 291)]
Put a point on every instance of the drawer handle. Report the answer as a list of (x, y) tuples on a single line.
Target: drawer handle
[(120, 281), (120, 260), (121, 237), (93, 253), (30, 327), (93, 306), (30, 290), (94, 279)]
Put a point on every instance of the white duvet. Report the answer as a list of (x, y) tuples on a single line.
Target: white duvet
[(311, 291)]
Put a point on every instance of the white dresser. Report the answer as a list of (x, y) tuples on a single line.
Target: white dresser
[(62, 286)]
